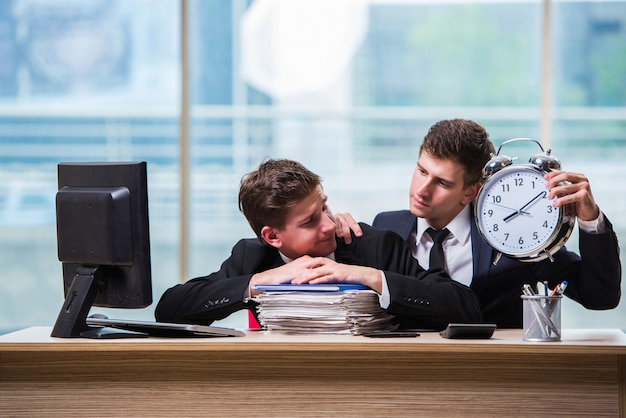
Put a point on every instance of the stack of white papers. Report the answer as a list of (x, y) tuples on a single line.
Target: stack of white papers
[(324, 311)]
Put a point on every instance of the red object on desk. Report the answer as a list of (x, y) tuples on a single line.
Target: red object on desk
[(252, 322)]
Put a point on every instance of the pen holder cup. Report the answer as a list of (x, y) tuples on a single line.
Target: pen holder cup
[(542, 318)]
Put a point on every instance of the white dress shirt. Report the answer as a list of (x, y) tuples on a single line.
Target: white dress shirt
[(457, 247)]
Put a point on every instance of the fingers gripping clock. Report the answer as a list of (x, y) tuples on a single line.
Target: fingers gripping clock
[(512, 210)]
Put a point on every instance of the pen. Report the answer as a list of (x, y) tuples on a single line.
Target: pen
[(559, 289), (527, 290)]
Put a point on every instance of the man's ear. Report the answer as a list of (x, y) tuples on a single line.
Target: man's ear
[(269, 235), (470, 193)]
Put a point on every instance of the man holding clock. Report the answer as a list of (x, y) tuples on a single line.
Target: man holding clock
[(447, 179)]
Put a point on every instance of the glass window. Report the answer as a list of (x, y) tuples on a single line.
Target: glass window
[(81, 81), (347, 88)]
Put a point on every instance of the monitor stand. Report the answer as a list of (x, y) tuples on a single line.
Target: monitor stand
[(71, 322)]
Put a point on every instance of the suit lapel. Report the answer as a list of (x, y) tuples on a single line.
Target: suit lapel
[(482, 253), (408, 225)]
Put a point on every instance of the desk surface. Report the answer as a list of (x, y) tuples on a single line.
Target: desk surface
[(581, 341), (315, 375)]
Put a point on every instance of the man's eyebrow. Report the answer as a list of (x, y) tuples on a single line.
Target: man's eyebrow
[(438, 178), (446, 181)]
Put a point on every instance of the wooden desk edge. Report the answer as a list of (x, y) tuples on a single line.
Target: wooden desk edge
[(605, 342)]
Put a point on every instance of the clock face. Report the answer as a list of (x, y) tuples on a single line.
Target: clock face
[(514, 214)]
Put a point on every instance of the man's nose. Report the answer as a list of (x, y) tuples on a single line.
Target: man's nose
[(424, 188), (327, 222)]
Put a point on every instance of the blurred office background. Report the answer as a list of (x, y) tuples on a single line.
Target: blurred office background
[(203, 90)]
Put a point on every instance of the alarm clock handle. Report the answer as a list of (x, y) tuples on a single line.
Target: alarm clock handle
[(508, 141)]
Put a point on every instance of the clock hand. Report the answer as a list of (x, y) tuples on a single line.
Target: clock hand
[(533, 200), (520, 210), (523, 212)]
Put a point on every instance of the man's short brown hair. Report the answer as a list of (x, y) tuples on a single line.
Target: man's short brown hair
[(267, 194), (462, 141)]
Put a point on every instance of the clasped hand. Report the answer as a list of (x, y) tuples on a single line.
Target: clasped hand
[(316, 270)]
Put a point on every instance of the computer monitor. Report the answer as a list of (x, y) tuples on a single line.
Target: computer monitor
[(103, 243)]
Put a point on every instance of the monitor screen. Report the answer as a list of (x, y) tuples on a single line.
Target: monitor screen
[(103, 241)]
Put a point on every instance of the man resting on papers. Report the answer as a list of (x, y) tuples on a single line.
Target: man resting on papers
[(285, 205)]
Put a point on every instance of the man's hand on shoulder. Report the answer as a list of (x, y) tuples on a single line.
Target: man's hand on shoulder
[(344, 223)]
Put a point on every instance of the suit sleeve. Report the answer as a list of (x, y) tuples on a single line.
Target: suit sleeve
[(205, 299), (419, 298), (594, 277)]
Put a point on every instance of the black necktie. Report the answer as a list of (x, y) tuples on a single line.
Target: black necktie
[(437, 260)]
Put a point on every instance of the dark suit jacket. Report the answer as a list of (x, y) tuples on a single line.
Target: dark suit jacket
[(420, 299), (593, 279)]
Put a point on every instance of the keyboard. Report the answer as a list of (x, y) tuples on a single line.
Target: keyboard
[(166, 329)]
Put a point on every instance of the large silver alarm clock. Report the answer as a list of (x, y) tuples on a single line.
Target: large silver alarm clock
[(513, 212)]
